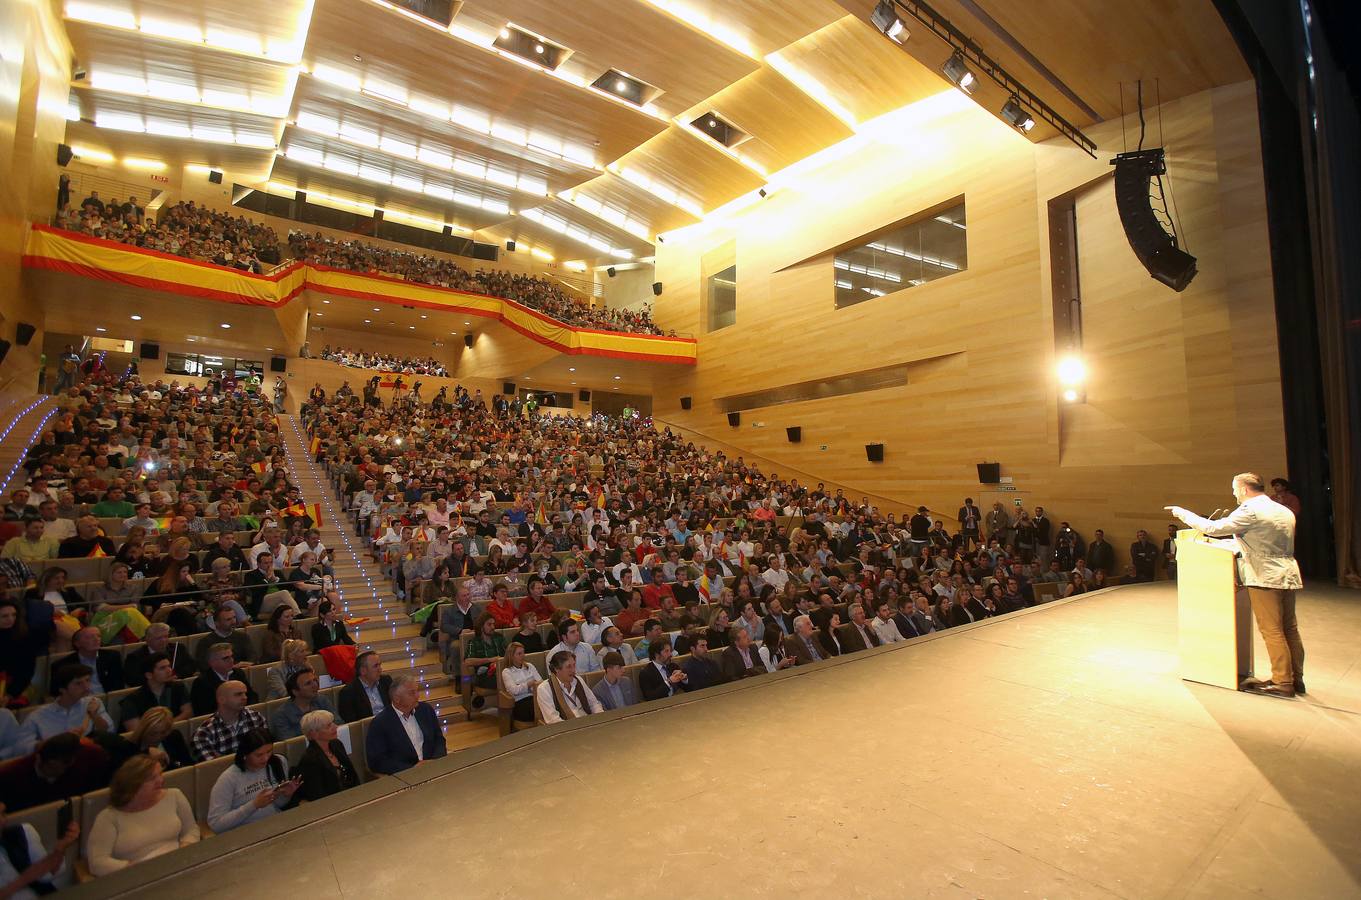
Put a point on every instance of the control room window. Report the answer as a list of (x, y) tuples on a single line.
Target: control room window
[(723, 298), (905, 256)]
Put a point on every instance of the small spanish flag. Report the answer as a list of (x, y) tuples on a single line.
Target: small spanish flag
[(163, 523), (313, 446), (259, 468), (315, 512), (600, 500), (295, 509), (96, 553), (540, 516)]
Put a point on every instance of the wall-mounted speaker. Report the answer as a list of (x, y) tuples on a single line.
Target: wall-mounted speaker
[(508, 388), (64, 154), (610, 271), (215, 176), (989, 473), (23, 333), (510, 246), (584, 395), (1155, 248), (874, 452), (4, 348), (278, 364), (468, 341), (686, 402), (150, 350), (656, 288), (734, 419), (795, 433)]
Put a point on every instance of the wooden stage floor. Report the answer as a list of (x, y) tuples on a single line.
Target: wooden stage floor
[(1055, 753)]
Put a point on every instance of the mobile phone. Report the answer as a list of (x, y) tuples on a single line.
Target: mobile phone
[(65, 816)]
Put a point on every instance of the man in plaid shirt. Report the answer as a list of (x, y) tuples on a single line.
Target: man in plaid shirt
[(218, 736)]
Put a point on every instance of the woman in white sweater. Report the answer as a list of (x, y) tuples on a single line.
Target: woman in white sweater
[(254, 788), (142, 820), (519, 680)]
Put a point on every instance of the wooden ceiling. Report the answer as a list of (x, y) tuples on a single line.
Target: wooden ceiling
[(432, 112)]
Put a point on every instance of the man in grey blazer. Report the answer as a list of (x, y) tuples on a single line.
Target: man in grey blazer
[(1265, 531), (615, 690)]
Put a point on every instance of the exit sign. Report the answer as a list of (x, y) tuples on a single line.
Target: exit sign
[(163, 179)]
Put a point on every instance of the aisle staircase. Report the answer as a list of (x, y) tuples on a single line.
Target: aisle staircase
[(22, 420), (384, 625)]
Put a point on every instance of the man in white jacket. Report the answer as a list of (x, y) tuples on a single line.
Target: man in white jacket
[(1265, 531)]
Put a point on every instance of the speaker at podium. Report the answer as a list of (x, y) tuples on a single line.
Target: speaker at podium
[(1214, 618)]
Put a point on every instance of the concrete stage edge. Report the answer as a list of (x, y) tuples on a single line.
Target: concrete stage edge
[(1054, 753)]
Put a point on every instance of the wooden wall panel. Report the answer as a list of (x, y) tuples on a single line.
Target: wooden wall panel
[(1185, 387)]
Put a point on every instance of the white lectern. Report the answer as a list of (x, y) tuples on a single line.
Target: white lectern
[(1214, 621)]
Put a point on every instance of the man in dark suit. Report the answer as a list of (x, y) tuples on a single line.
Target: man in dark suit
[(911, 621), (701, 669), (777, 619), (1143, 553), (857, 635), (739, 660), (802, 645), (157, 640), (406, 733), (221, 668), (106, 664), (1100, 554), (661, 678), (966, 609), (356, 700)]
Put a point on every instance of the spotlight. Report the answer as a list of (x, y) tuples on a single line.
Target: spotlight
[(885, 18), (1070, 396), (1017, 117), (959, 74), (1072, 371)]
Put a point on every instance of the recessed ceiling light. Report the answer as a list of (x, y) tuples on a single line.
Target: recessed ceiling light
[(326, 301), (505, 33), (573, 382), (571, 368), (621, 85), (453, 332), (423, 316), (100, 329), (225, 325), (713, 123), (375, 309), (616, 389), (467, 323), (618, 377), (320, 314), (368, 321), (358, 58), (412, 327), (269, 348), (135, 318), (538, 48), (392, 323), (191, 340)]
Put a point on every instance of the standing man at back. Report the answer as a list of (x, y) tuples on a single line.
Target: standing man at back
[(1267, 568)]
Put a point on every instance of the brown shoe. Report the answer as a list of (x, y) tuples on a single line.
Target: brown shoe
[(1274, 690), (1299, 686)]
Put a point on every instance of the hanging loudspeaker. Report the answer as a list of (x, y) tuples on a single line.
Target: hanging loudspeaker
[(1155, 248), (656, 288), (468, 341)]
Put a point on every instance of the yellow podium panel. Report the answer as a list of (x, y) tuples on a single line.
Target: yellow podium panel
[(1214, 622)]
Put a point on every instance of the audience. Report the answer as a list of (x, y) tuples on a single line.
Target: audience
[(325, 767), (184, 229), (143, 820), (406, 733), (563, 694), (254, 787)]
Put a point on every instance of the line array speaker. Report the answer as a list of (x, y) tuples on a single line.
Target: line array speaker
[(1155, 248)]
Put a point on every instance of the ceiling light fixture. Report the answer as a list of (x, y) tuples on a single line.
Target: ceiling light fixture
[(885, 18), (225, 325), (1016, 116), (959, 74), (135, 318)]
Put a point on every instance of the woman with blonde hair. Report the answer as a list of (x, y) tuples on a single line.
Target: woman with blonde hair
[(293, 659), (143, 820)]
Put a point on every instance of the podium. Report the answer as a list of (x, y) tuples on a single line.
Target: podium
[(1214, 620)]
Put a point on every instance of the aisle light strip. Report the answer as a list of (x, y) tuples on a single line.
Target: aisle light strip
[(31, 438)]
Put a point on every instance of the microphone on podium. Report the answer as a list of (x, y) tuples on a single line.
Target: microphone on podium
[(1216, 514)]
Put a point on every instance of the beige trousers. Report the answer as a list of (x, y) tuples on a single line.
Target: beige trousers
[(1274, 611)]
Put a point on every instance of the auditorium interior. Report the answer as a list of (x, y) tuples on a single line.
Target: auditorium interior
[(499, 448)]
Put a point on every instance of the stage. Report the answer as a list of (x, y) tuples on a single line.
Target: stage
[(1055, 753)]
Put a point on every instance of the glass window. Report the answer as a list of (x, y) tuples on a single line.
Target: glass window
[(723, 298), (923, 250), (183, 364)]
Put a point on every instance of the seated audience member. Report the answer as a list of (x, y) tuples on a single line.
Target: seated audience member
[(221, 668), (966, 610), (773, 653), (612, 641), (569, 634), (281, 628), (329, 630), (114, 605), (143, 820), (155, 735), (749, 620), (455, 619), (701, 669), (528, 636), (254, 787), (225, 547), (661, 678), (884, 627), (828, 639), (632, 618), (802, 646), (486, 648), (535, 601), (615, 690), (367, 695), (73, 709), (779, 621), (518, 679), (107, 665), (220, 734), (325, 767), (20, 648), (563, 694), (406, 733), (501, 609), (157, 640), (59, 767), (266, 588), (224, 588), (739, 659), (294, 659), (652, 634), (309, 585), (304, 696), (160, 688), (27, 869), (49, 605), (88, 541), (224, 631), (859, 635), (31, 546)]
